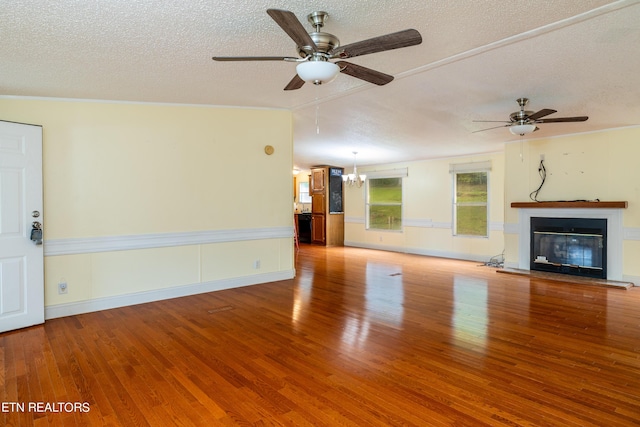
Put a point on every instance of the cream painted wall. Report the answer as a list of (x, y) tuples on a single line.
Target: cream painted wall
[(130, 168), (598, 165), (428, 211), (118, 171)]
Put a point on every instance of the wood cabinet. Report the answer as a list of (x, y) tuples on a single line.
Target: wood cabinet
[(318, 203), (327, 213), (318, 229), (318, 180)]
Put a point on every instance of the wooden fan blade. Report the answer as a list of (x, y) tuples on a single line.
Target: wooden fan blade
[(541, 113), (564, 119), (391, 41), (295, 83), (364, 73), (292, 26), (254, 58), (495, 127)]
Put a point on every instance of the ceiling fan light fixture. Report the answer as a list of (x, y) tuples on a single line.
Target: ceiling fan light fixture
[(522, 128), (317, 72)]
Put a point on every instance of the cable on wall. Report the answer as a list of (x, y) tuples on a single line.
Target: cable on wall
[(542, 171)]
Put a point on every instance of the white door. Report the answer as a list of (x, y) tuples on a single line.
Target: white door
[(21, 260)]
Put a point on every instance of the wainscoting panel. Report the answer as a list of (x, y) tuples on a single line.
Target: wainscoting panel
[(69, 309), (115, 271)]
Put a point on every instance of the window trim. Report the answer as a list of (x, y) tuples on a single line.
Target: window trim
[(470, 167), (395, 173), (465, 168), (388, 173)]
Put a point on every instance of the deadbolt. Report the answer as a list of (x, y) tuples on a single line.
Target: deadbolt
[(36, 233), (35, 214)]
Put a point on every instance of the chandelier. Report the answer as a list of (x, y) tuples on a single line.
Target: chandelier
[(353, 178)]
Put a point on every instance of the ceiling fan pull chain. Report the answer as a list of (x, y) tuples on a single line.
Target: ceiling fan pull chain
[(317, 112)]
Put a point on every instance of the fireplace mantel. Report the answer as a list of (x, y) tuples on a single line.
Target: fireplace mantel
[(570, 205)]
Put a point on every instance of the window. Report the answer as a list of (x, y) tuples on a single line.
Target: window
[(470, 203), (384, 203), (303, 193)]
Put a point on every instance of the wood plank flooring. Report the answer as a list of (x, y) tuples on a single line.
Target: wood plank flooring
[(358, 338)]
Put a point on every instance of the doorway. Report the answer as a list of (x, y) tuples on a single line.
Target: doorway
[(21, 211)]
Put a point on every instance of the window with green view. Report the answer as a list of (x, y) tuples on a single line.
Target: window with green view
[(470, 204), (384, 204)]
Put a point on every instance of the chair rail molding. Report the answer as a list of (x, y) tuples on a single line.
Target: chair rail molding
[(84, 245)]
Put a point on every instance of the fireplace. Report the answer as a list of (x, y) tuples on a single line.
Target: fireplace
[(612, 214), (576, 246)]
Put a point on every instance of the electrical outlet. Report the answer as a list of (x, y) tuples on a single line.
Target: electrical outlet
[(62, 287), (256, 264)]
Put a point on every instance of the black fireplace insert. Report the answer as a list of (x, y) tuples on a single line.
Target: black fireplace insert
[(576, 246)]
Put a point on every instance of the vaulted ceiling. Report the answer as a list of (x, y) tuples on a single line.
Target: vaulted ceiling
[(580, 57)]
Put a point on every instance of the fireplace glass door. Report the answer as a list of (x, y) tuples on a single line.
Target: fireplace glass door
[(569, 245)]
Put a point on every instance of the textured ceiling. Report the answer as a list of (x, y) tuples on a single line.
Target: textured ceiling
[(580, 57)]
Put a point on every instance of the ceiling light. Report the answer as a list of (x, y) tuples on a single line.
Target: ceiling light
[(354, 178), (521, 128), (317, 72)]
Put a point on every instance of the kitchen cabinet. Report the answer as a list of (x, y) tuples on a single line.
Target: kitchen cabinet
[(318, 180), (318, 235), (327, 213)]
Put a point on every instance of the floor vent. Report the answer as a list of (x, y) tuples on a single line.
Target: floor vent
[(219, 309)]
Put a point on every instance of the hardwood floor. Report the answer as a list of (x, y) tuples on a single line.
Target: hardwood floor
[(359, 337)]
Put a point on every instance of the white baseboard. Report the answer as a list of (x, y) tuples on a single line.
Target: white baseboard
[(511, 264), (106, 303), (633, 279), (416, 251)]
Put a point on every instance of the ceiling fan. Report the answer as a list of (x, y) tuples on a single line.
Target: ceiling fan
[(317, 48), (523, 122)]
